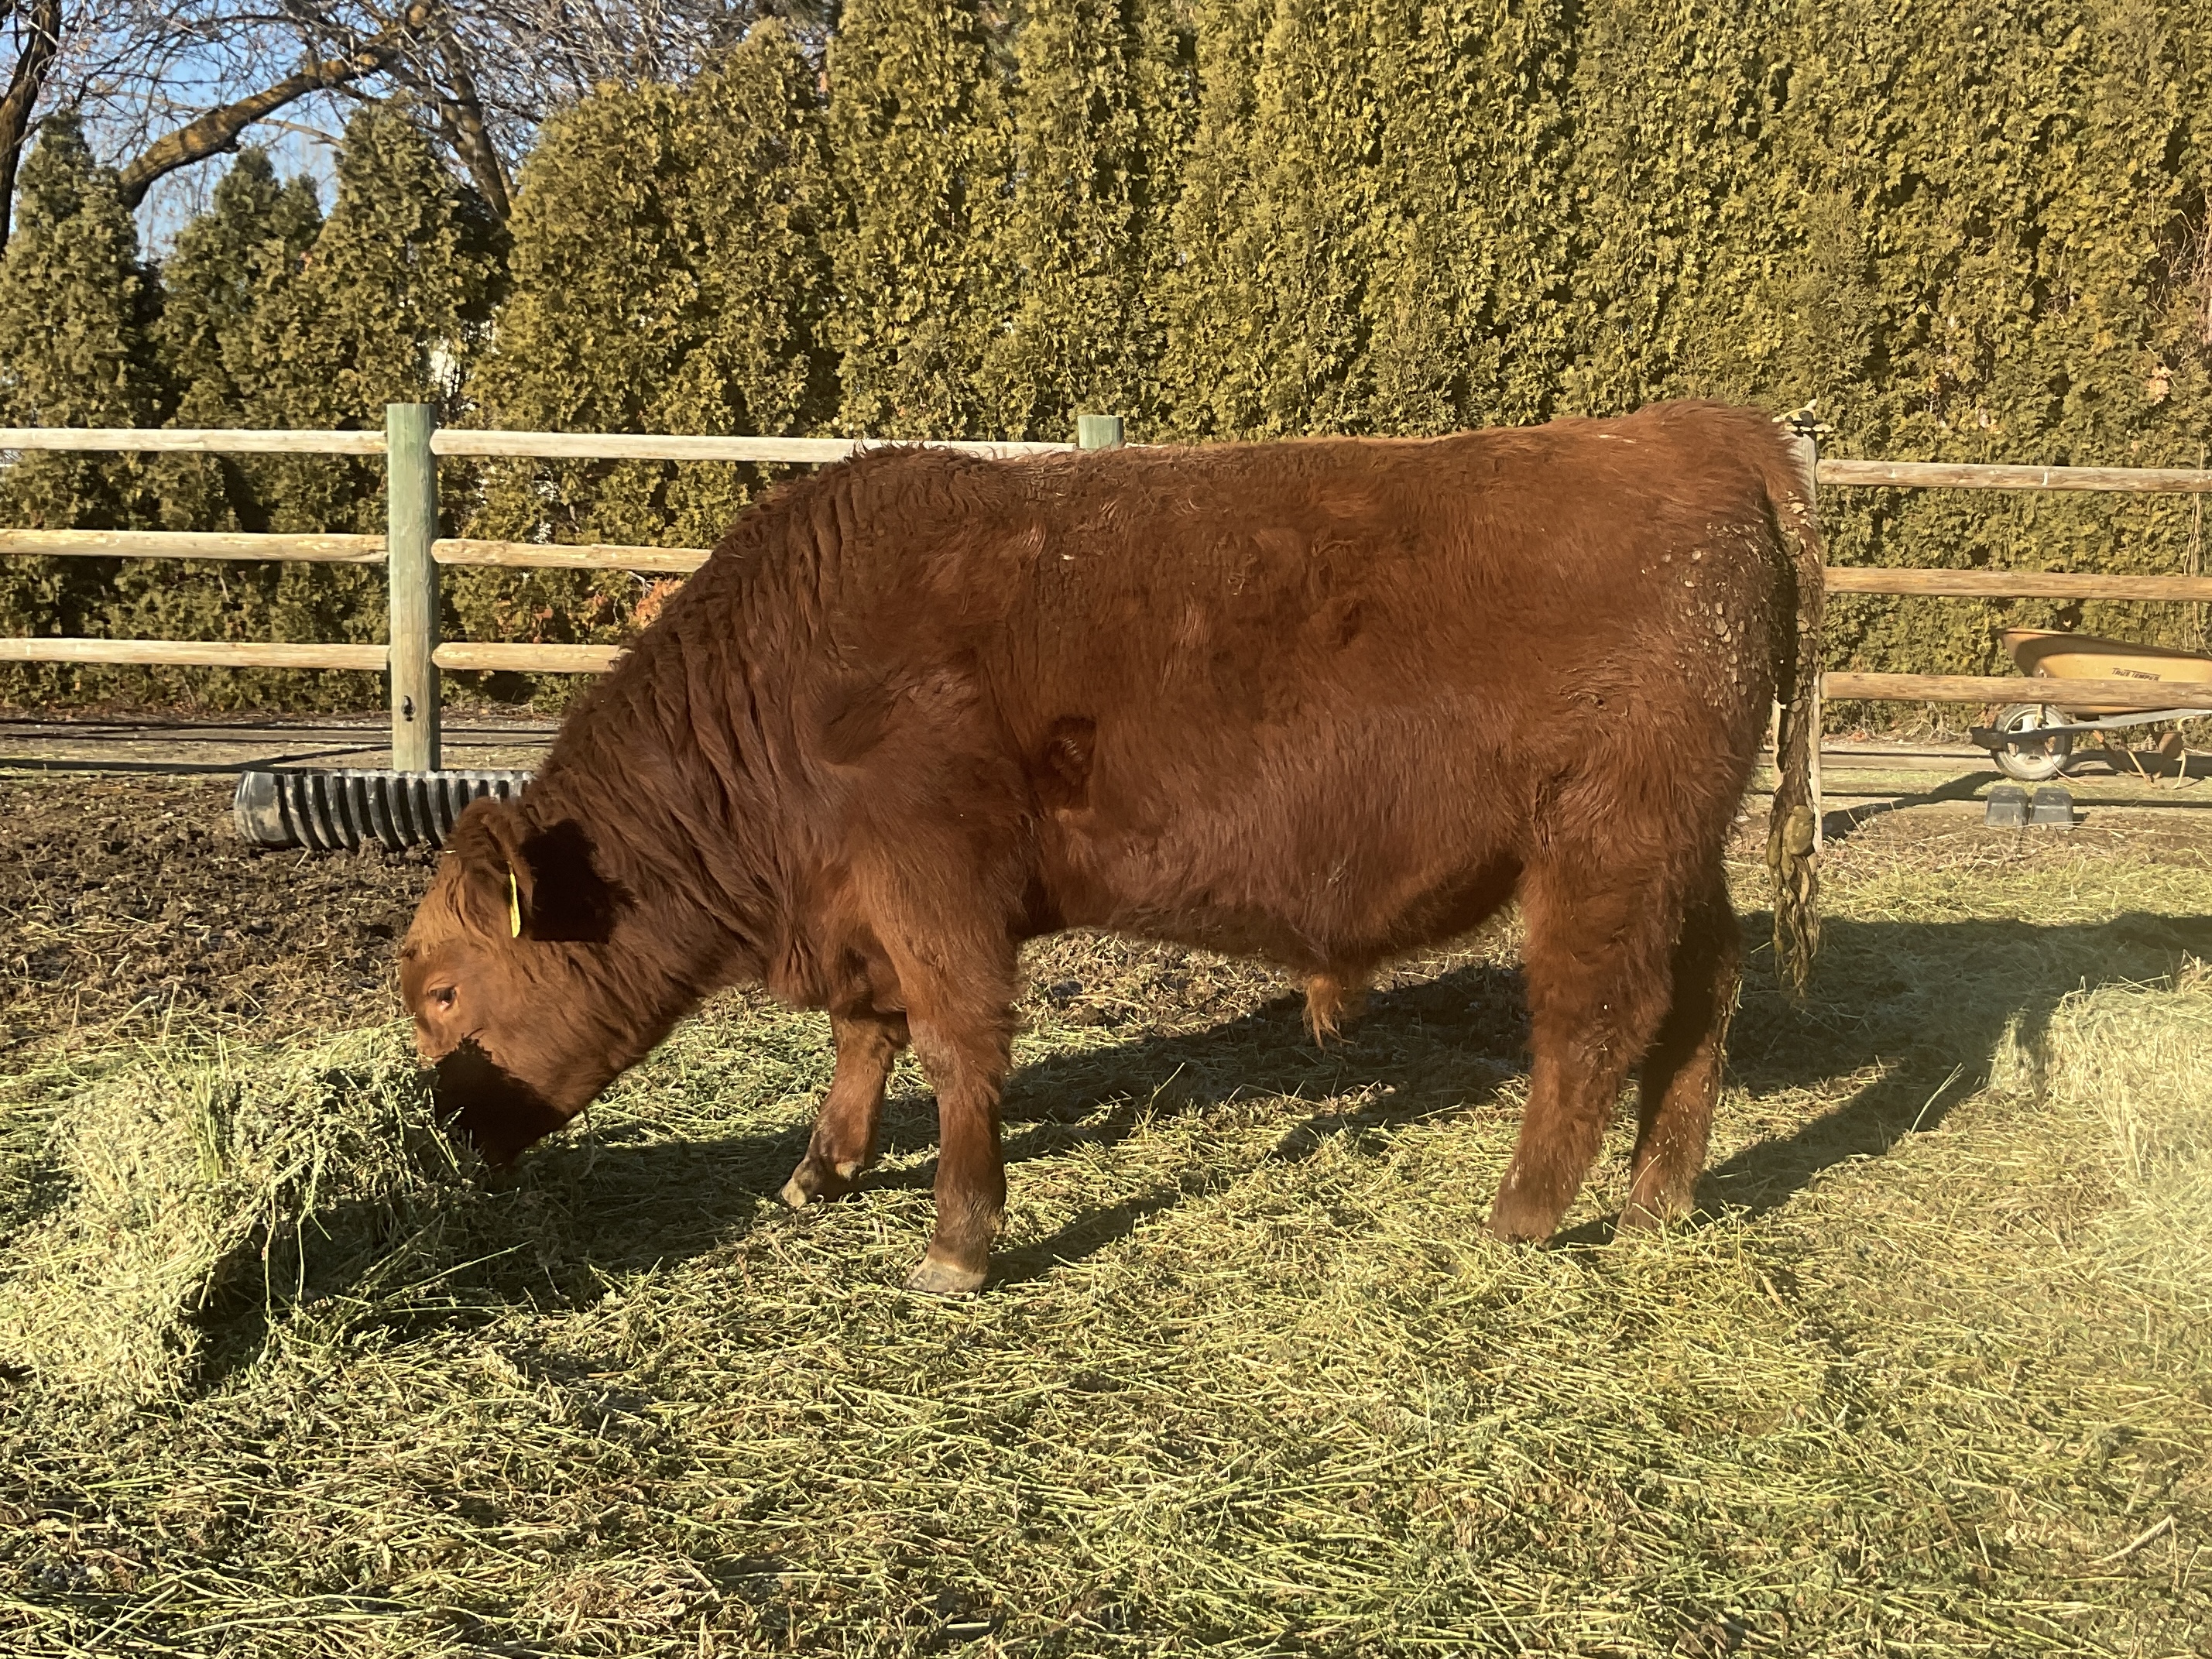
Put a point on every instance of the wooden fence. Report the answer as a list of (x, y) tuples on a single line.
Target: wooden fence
[(411, 550)]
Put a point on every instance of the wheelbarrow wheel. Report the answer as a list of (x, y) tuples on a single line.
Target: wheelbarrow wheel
[(2040, 761)]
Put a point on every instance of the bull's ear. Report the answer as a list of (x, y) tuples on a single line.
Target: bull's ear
[(521, 880), (562, 893), (498, 887)]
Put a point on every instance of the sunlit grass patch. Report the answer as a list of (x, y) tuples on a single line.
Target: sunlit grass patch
[(1935, 1376)]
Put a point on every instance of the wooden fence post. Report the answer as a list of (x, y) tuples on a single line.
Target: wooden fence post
[(410, 525), (1098, 432)]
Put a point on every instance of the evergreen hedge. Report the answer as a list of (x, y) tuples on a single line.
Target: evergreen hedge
[(269, 316), (669, 275), (76, 311), (1972, 230)]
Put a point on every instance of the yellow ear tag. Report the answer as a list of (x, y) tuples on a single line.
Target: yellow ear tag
[(513, 907)]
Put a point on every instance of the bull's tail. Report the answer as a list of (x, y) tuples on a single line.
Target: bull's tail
[(1791, 840)]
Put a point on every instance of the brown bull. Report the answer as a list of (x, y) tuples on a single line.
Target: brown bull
[(1322, 703)]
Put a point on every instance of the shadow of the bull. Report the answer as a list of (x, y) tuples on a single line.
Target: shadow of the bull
[(1923, 1006)]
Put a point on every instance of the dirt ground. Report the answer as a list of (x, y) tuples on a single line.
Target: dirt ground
[(134, 895)]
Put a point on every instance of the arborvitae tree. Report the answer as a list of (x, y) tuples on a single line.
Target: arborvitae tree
[(1215, 315), (391, 303), (1372, 229), (761, 188), (1685, 216), (919, 131), (668, 276), (229, 263), (1997, 211), (1320, 213), (1469, 304), (387, 305), (1103, 106), (397, 295), (76, 305)]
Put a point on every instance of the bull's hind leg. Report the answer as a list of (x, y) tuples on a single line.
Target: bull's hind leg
[(844, 1144), (1682, 1073), (1597, 964)]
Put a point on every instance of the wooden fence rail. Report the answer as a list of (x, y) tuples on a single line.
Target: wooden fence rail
[(195, 545), (2014, 584), (589, 555), (660, 446), (412, 551), (473, 441), (529, 659), (2017, 688), (279, 549), (1975, 475), (198, 440), (193, 653)]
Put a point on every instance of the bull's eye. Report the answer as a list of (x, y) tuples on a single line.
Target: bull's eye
[(444, 997)]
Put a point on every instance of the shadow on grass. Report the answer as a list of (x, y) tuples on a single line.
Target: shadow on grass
[(1923, 1006), (1929, 1004), (1841, 822)]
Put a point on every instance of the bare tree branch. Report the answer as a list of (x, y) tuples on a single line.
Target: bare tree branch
[(218, 129), (164, 84), (460, 111), (41, 36)]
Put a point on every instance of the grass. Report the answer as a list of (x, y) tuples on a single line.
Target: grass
[(1935, 1377)]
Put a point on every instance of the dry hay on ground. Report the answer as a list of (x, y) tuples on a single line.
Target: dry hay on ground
[(1936, 1377)]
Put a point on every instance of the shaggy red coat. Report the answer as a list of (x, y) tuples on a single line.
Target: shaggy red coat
[(1322, 703)]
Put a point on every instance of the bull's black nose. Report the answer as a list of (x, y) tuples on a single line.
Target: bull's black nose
[(494, 1111)]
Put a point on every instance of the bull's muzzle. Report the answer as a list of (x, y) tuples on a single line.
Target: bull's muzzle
[(494, 1111)]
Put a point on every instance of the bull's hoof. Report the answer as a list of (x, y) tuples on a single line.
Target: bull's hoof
[(811, 1183), (1518, 1222), (1652, 1217), (1529, 1206), (936, 1277), (1509, 1232), (1651, 1206)]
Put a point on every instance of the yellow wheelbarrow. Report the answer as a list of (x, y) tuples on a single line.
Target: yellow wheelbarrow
[(2033, 742)]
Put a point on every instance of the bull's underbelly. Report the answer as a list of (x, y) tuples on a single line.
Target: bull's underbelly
[(1309, 928), (1343, 847)]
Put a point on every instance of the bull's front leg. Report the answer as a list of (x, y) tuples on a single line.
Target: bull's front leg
[(845, 1133), (968, 1061), (947, 916)]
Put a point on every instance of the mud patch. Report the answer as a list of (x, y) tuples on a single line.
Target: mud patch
[(133, 898)]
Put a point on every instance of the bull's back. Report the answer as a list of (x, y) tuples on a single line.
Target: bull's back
[(1335, 687)]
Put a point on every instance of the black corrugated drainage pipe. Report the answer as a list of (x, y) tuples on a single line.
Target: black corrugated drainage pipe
[(327, 811)]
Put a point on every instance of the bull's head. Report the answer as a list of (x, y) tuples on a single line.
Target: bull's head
[(508, 971)]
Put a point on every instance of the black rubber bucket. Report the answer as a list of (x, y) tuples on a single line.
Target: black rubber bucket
[(328, 812)]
